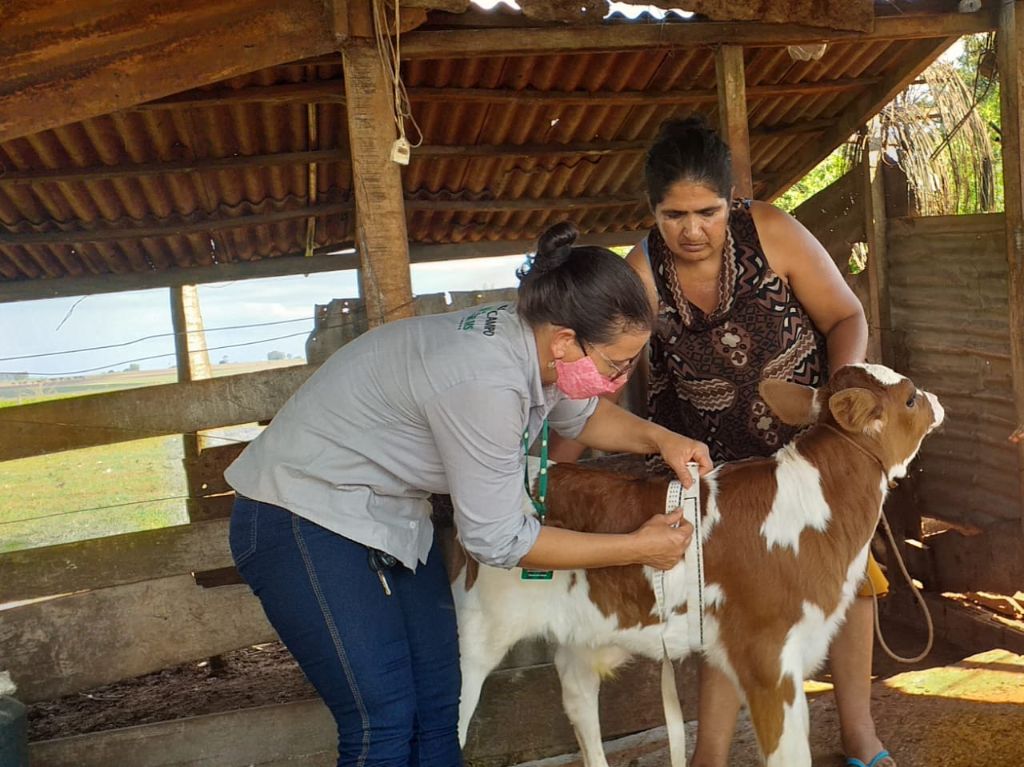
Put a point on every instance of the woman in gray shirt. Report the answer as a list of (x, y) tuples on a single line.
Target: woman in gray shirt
[(332, 528)]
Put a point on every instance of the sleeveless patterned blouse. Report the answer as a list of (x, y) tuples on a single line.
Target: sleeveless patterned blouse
[(705, 369)]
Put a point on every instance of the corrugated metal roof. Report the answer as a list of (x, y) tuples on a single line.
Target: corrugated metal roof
[(467, 184)]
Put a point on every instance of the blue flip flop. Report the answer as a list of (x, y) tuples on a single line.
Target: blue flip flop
[(883, 754)]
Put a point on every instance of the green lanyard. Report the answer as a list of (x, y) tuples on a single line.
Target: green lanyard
[(542, 480), (542, 494)]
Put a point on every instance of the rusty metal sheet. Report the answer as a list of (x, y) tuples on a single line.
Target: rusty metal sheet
[(948, 289)]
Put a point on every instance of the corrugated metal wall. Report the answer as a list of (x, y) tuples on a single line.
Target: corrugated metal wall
[(948, 297)]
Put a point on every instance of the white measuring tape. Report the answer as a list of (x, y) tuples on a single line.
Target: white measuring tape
[(689, 501)]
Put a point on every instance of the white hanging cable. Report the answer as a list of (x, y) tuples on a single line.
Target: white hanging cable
[(389, 47)]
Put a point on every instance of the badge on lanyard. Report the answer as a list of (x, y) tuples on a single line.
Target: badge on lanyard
[(542, 493)]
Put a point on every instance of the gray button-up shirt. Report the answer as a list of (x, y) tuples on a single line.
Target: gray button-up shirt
[(433, 404)]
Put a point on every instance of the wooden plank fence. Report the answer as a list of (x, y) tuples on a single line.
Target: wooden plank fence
[(69, 644), (143, 585), (303, 732)]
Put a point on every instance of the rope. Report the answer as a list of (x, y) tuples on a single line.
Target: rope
[(917, 595)]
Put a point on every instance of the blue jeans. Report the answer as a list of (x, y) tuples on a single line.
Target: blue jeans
[(387, 667)]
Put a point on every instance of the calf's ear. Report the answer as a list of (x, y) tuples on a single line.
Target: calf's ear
[(793, 403), (857, 410)]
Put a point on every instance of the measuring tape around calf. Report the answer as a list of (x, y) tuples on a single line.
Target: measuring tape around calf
[(689, 501)]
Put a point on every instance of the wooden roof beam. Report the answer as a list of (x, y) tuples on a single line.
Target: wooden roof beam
[(64, 64), (108, 232), (324, 156), (330, 92), (471, 43), (206, 165), (324, 259), (132, 53)]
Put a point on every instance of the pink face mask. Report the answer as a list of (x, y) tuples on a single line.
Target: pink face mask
[(582, 380)]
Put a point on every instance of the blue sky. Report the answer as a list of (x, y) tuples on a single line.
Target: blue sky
[(35, 327)]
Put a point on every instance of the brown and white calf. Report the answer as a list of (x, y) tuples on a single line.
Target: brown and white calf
[(785, 544)]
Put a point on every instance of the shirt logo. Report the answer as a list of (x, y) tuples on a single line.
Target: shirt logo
[(490, 315)]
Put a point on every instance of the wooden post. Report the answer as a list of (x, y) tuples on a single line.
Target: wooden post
[(901, 507), (1010, 40), (193, 360), (873, 190), (381, 236), (732, 114)]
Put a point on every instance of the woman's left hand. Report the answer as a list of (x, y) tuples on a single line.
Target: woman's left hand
[(677, 450), (615, 430)]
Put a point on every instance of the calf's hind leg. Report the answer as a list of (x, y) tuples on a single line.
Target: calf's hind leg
[(479, 654), (780, 718), (579, 671)]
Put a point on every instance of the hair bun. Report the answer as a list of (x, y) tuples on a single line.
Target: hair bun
[(554, 247), (560, 235)]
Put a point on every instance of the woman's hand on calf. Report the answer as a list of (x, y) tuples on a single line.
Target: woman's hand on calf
[(662, 539), (677, 451)]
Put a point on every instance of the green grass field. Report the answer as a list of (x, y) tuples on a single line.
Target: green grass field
[(50, 499), (102, 491), (90, 493), (97, 491)]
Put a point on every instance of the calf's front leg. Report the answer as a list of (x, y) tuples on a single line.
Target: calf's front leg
[(781, 722)]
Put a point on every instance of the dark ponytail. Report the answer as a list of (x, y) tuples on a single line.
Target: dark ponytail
[(586, 288), (687, 150)]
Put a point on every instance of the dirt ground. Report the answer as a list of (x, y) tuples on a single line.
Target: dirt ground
[(923, 729), (253, 676), (948, 710), (967, 715)]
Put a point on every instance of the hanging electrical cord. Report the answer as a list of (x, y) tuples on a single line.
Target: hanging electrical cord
[(390, 51)]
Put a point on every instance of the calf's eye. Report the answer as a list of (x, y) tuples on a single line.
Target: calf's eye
[(913, 400)]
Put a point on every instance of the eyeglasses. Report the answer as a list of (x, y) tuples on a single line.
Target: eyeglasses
[(620, 369)]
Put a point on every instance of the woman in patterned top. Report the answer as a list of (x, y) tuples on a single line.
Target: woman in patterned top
[(743, 292)]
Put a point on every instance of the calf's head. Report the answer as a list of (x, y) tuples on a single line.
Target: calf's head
[(879, 409)]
